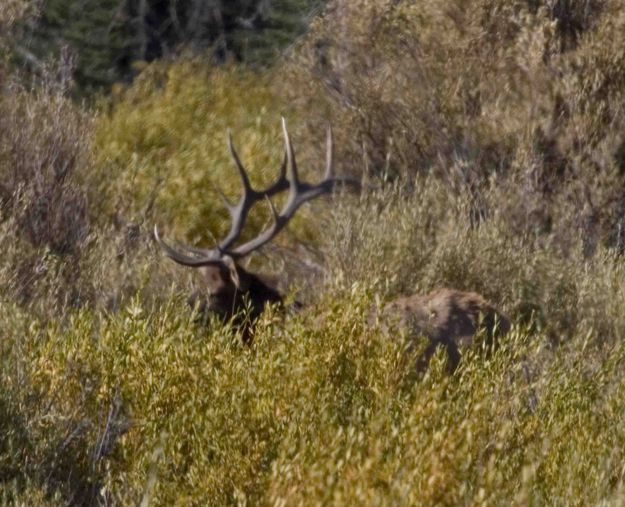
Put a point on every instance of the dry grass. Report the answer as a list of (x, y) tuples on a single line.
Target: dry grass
[(523, 97)]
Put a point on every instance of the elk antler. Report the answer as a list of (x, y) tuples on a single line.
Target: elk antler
[(299, 193)]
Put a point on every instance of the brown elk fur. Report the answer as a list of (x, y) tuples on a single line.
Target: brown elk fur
[(227, 290), (448, 318)]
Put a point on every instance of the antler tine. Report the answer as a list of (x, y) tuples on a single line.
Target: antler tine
[(183, 258), (227, 202), (329, 172), (282, 170), (235, 156), (272, 208), (238, 212), (291, 165)]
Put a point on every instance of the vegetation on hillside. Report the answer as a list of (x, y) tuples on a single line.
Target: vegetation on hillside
[(488, 93), (489, 135)]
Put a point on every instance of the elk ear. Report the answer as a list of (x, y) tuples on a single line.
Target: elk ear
[(237, 274)]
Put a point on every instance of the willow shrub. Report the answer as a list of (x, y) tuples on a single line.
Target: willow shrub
[(144, 406)]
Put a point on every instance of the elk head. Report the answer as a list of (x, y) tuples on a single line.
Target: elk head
[(228, 286)]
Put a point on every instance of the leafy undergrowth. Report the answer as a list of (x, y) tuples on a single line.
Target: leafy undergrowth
[(146, 406)]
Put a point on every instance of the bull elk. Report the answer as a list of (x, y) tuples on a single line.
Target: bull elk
[(449, 319), (229, 287)]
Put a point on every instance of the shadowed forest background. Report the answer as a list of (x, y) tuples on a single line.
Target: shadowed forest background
[(490, 137)]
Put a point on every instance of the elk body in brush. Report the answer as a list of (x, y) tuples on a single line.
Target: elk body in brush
[(448, 318), (229, 288)]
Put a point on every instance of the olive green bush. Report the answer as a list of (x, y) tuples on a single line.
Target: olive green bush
[(143, 404), (164, 143)]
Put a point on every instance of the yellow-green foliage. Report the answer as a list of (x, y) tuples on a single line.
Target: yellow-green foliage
[(144, 406), (165, 138)]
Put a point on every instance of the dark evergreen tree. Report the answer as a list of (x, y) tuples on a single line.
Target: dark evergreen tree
[(96, 31), (109, 35)]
